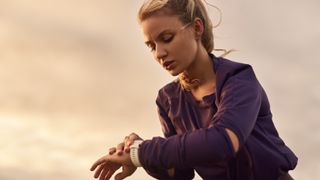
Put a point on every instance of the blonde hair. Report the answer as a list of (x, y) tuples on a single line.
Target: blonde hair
[(187, 11)]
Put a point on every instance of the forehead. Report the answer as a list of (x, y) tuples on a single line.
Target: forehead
[(155, 24)]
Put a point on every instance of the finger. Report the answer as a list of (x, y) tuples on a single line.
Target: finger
[(98, 171), (130, 140), (120, 148), (113, 168), (133, 137), (109, 174), (119, 176), (128, 143), (112, 150), (126, 171), (125, 141), (127, 148), (126, 138), (98, 162), (103, 174)]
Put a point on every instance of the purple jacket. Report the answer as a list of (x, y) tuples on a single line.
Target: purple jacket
[(195, 136)]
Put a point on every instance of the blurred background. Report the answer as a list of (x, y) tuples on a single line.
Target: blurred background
[(76, 77)]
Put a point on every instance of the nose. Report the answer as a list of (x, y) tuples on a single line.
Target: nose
[(160, 53)]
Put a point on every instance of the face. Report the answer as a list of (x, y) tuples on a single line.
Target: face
[(172, 43)]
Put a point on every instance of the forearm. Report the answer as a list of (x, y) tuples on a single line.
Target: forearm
[(173, 173), (158, 172), (201, 147)]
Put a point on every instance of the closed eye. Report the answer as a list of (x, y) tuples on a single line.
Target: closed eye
[(167, 38), (164, 37)]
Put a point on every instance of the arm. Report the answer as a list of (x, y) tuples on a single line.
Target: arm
[(237, 113), (168, 130)]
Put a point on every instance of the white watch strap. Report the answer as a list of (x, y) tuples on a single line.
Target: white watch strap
[(134, 153)]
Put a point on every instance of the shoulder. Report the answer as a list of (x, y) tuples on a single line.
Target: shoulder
[(226, 69), (229, 70), (235, 76)]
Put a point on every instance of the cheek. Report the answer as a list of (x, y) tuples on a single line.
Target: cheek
[(178, 49), (155, 58), (187, 49), (188, 43)]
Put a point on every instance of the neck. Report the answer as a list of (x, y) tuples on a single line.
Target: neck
[(201, 68)]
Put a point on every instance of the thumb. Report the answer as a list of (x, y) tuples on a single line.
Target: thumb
[(120, 176), (126, 171)]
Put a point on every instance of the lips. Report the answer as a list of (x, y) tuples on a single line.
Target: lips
[(168, 65)]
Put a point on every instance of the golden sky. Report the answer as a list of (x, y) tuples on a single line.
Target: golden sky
[(76, 77)]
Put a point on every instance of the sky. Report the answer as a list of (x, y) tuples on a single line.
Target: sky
[(76, 78)]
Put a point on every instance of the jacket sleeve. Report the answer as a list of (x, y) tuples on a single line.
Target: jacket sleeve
[(168, 130), (238, 107)]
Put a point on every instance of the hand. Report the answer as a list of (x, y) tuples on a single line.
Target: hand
[(125, 145), (109, 164)]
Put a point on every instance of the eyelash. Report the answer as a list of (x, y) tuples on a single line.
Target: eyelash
[(164, 39)]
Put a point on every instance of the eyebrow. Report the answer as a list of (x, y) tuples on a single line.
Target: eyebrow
[(159, 35)]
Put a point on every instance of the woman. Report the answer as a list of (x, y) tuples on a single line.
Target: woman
[(215, 117)]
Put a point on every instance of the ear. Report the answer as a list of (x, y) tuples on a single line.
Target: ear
[(198, 27)]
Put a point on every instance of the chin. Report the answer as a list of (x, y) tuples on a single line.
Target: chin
[(174, 73)]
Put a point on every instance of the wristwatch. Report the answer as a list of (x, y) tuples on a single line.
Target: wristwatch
[(134, 153)]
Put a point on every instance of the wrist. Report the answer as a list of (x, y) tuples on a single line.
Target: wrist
[(134, 153)]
